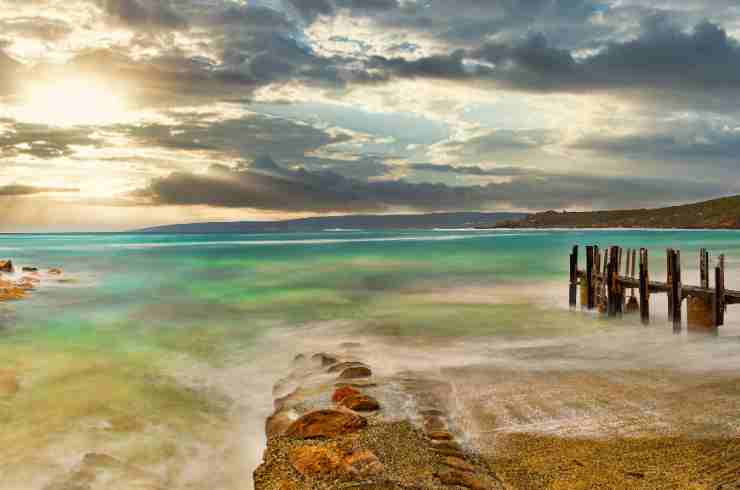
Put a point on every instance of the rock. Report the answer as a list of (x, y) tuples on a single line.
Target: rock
[(356, 372), (449, 452), (344, 365), (278, 423), (6, 266), (11, 292), (358, 383), (324, 359), (342, 393), (315, 461), (298, 359), (326, 423), (361, 403), (446, 445), (350, 345), (440, 435), (363, 464), (462, 479), (55, 271), (435, 423), (26, 284), (459, 464), (30, 269), (9, 384)]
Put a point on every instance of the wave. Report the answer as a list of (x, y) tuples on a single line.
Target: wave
[(316, 241)]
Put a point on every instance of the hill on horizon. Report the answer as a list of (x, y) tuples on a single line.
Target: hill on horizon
[(722, 213), (391, 221)]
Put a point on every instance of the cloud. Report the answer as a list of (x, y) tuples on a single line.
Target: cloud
[(26, 190), (144, 13), (42, 141), (663, 57), (267, 186)]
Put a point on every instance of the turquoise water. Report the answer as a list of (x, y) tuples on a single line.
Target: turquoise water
[(160, 349)]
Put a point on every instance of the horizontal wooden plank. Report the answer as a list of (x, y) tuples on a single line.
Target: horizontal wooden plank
[(731, 297)]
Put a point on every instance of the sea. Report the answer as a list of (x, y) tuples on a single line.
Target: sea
[(159, 352)]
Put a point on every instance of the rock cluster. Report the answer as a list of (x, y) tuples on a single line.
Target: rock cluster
[(332, 429), (15, 288)]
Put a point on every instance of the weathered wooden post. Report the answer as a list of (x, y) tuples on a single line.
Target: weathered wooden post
[(590, 276), (701, 309), (597, 279), (573, 293), (676, 292), (668, 279), (644, 288), (719, 295), (604, 303), (632, 305), (704, 268), (614, 287)]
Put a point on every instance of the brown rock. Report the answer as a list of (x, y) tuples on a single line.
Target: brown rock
[(6, 266), (434, 424), (30, 269), (363, 464), (342, 393), (459, 464), (463, 479), (278, 423), (9, 384), (356, 372), (315, 461), (326, 423), (440, 435), (361, 403), (448, 445), (344, 365), (10, 292), (55, 271), (350, 345)]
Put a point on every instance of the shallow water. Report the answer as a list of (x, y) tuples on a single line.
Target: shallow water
[(161, 350)]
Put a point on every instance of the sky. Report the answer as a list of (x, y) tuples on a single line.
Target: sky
[(118, 114)]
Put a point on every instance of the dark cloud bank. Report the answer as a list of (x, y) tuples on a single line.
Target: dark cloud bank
[(266, 185)]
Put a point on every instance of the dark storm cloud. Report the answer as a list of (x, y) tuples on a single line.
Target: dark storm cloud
[(272, 187), (26, 190), (663, 57), (144, 13), (42, 141)]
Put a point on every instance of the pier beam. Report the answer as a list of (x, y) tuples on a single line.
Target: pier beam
[(644, 288), (573, 292)]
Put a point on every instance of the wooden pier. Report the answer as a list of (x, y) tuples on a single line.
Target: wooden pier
[(607, 278)]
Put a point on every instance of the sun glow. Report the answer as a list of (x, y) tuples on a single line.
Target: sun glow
[(71, 102)]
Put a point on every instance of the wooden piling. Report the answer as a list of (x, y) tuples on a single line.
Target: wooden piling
[(615, 299), (719, 295), (590, 276), (573, 293), (704, 268), (676, 292), (633, 306), (668, 280), (644, 288)]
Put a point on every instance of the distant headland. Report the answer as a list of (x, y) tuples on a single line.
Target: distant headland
[(721, 213), (347, 222)]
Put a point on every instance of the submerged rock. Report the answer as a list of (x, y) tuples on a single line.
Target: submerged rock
[(344, 365), (356, 372), (343, 392), (9, 384), (361, 403), (55, 271), (326, 423), (6, 266), (30, 269)]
